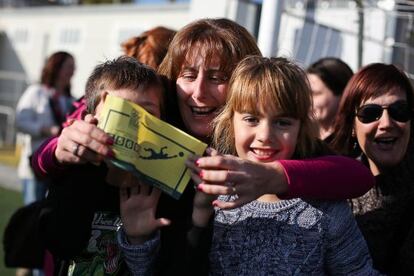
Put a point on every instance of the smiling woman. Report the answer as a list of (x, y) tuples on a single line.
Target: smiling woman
[(374, 123), (199, 63)]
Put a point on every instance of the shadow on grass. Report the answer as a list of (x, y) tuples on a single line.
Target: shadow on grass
[(9, 202)]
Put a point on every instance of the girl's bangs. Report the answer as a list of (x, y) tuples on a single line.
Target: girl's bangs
[(266, 92)]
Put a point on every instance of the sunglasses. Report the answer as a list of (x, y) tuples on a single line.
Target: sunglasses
[(398, 111)]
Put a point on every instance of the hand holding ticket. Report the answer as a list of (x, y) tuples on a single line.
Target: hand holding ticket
[(148, 147)]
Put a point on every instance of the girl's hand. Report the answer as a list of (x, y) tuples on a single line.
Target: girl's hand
[(82, 141), (138, 207), (228, 175)]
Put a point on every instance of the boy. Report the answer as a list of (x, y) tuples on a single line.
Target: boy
[(79, 225)]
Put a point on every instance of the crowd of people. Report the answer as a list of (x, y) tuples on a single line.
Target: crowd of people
[(308, 170)]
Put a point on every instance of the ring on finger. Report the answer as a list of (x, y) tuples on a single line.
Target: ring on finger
[(233, 189), (75, 149)]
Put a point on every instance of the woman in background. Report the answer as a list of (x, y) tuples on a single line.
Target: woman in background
[(328, 78), (40, 112)]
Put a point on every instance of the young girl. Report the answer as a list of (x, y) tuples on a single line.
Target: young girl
[(266, 118)]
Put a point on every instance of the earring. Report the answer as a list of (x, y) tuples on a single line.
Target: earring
[(355, 146), (356, 150)]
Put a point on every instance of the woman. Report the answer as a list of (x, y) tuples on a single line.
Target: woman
[(375, 124), (40, 111), (328, 78)]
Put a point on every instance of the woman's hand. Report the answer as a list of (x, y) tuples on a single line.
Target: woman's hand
[(82, 141), (138, 208), (228, 175)]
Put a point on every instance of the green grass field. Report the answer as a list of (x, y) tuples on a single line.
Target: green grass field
[(9, 202)]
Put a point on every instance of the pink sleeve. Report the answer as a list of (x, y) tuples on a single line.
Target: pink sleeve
[(78, 113), (327, 177), (43, 159)]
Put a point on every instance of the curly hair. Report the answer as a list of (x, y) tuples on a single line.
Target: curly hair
[(150, 47)]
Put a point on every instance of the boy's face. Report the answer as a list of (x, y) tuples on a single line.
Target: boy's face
[(148, 99)]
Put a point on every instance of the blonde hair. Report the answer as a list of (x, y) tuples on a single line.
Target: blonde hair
[(259, 83)]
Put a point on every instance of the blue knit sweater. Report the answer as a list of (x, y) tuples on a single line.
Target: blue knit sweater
[(289, 237)]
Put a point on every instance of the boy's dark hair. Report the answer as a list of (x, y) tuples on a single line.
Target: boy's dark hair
[(121, 73)]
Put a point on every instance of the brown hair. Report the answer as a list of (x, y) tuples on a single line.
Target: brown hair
[(371, 81), (276, 83), (212, 38), (121, 73), (150, 47), (51, 69)]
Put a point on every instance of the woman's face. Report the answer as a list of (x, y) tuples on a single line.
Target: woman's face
[(66, 71), (383, 141), (201, 93), (325, 102)]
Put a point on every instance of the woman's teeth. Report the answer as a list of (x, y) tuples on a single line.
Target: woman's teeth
[(202, 110), (385, 140)]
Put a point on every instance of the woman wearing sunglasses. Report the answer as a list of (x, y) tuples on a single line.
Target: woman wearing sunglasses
[(374, 124)]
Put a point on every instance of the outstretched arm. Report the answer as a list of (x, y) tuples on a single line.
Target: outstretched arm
[(326, 177)]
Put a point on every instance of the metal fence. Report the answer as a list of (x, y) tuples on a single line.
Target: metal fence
[(12, 85), (318, 39)]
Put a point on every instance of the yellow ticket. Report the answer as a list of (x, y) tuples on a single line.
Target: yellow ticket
[(152, 149)]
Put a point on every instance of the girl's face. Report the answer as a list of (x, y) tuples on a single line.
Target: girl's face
[(265, 137), (383, 141), (149, 100), (201, 93)]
